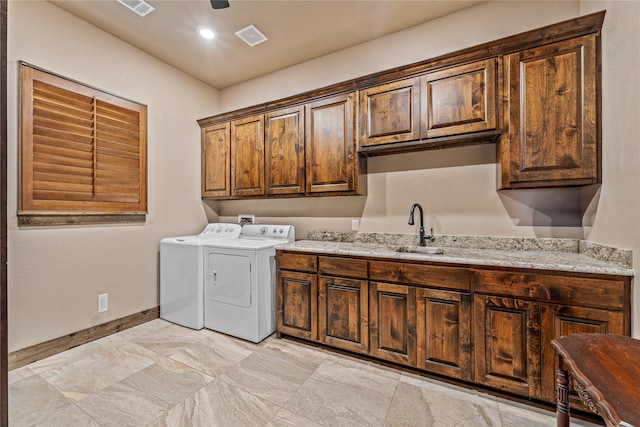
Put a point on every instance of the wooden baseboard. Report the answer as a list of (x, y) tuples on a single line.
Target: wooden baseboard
[(40, 351)]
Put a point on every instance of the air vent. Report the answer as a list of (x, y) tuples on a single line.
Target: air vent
[(251, 35), (140, 7)]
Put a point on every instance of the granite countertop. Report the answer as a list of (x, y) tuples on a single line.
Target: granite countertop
[(541, 254)]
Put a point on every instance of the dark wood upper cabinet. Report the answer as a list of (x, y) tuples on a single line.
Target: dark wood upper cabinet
[(537, 93), (390, 113), (284, 151), (330, 144), (247, 156), (459, 100), (216, 160), (553, 136)]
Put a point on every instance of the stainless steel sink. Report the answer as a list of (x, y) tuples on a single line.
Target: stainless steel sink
[(420, 250)]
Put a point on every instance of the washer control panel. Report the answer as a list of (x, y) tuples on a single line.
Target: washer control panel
[(222, 230)]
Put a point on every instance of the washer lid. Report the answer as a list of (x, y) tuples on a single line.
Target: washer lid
[(211, 232)]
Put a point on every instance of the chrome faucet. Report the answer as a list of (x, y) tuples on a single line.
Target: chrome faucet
[(423, 238)]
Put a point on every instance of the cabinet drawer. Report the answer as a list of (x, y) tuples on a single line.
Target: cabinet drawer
[(609, 294), (297, 262), (421, 275), (346, 267)]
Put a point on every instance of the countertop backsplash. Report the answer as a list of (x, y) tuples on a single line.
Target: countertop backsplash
[(620, 257)]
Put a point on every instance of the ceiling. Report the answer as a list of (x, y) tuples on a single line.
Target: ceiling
[(297, 30)]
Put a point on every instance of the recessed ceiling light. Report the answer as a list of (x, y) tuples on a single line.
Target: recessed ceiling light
[(207, 33)]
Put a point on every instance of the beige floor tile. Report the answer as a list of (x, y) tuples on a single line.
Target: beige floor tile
[(20, 374), (65, 358), (69, 416), (345, 394), (285, 418), (272, 374), (160, 374), (214, 355), (219, 404), (430, 405), (121, 406), (91, 374), (167, 381), (33, 401), (143, 329), (171, 339)]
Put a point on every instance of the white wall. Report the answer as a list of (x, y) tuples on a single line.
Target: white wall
[(56, 273)]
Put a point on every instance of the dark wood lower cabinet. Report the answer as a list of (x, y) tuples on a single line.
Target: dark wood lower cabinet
[(343, 312), (488, 326), (296, 304), (443, 320), (507, 344), (392, 322)]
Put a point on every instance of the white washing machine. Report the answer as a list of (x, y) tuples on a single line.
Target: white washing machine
[(240, 281), (182, 274)]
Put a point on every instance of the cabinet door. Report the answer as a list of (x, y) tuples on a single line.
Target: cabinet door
[(390, 113), (247, 156), (392, 322), (507, 344), (330, 145), (558, 320), (459, 100), (443, 320), (296, 304), (284, 151), (554, 137), (216, 161), (343, 313)]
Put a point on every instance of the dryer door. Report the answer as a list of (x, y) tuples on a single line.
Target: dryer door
[(228, 279)]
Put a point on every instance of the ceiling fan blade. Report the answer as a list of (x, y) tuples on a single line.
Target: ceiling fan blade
[(219, 4)]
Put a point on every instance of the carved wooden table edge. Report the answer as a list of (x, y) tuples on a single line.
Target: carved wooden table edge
[(579, 346)]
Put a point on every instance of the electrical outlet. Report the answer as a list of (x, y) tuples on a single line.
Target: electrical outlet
[(355, 224), (103, 302)]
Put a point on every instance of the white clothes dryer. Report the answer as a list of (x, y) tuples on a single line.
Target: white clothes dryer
[(182, 274), (240, 281)]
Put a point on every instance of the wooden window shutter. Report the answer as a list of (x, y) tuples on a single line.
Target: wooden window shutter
[(83, 150)]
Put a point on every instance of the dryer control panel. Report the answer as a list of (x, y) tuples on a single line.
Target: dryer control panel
[(284, 232)]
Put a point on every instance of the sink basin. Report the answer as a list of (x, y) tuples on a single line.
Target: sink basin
[(420, 250)]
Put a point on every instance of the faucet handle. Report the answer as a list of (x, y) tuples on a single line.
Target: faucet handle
[(429, 236)]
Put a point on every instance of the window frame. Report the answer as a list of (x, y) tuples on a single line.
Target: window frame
[(127, 201)]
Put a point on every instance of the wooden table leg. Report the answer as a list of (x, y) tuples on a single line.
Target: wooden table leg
[(562, 395)]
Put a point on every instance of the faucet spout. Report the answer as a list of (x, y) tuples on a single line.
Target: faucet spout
[(422, 237)]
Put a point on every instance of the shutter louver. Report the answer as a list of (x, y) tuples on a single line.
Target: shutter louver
[(62, 144), (83, 151), (118, 154)]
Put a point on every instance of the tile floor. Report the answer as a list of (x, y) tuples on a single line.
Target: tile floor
[(160, 374)]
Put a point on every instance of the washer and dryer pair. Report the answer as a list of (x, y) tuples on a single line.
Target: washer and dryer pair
[(223, 279)]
